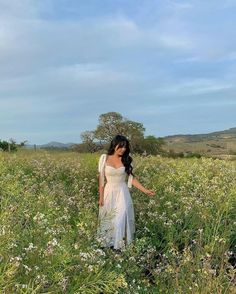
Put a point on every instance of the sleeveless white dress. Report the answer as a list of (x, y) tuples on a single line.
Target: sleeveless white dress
[(116, 220)]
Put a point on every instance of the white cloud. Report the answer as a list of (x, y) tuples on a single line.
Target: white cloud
[(176, 42), (56, 68), (194, 87)]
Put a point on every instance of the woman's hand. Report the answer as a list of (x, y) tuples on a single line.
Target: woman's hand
[(150, 192), (101, 201)]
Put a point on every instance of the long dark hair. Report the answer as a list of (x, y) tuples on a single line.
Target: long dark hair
[(126, 159)]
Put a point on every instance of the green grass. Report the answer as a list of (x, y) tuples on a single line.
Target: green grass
[(184, 236)]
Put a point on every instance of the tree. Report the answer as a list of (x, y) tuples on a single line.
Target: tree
[(110, 124), (88, 141), (8, 146), (4, 145), (153, 145), (22, 144), (113, 123), (134, 132)]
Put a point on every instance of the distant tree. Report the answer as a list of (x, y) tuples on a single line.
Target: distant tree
[(153, 145), (22, 144), (134, 131), (171, 153), (193, 154), (8, 146), (4, 145), (113, 123), (110, 124), (12, 141), (88, 143)]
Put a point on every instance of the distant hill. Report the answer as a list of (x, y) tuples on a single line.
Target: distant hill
[(57, 145), (220, 142), (214, 143), (52, 145)]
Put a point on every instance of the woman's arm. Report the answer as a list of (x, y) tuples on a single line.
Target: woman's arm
[(101, 191), (138, 185), (101, 178), (101, 188)]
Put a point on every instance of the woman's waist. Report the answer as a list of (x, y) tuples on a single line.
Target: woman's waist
[(116, 183)]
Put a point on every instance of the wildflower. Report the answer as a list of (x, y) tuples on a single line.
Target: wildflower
[(24, 286), (31, 246), (76, 245), (28, 269), (17, 258)]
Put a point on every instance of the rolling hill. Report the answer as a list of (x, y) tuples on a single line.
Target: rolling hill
[(220, 142)]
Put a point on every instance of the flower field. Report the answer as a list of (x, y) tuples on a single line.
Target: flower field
[(185, 238)]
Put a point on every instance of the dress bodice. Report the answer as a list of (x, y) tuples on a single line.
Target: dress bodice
[(115, 175)]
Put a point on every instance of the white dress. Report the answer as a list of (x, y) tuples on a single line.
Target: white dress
[(116, 221)]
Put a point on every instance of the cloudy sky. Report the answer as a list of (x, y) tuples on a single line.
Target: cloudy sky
[(168, 64)]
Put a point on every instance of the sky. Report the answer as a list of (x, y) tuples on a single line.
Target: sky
[(170, 65)]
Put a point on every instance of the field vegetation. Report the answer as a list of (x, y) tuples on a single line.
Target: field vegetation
[(185, 240)]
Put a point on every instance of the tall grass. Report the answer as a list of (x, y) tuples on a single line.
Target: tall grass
[(185, 237)]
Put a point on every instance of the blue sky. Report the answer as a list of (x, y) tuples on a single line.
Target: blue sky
[(170, 65)]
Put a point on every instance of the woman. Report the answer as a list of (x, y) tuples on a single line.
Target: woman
[(116, 213)]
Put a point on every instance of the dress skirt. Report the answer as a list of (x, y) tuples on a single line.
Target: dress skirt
[(116, 220)]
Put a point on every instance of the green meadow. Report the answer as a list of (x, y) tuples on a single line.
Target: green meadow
[(185, 240)]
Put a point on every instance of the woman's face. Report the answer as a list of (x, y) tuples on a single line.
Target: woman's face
[(120, 150)]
